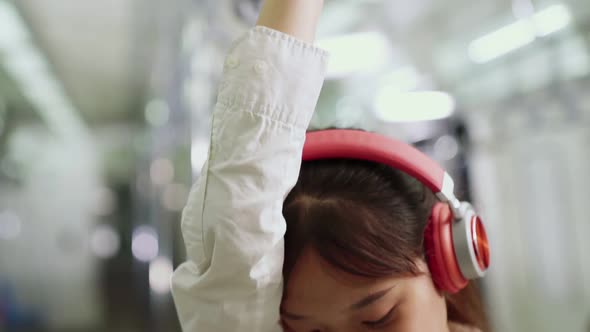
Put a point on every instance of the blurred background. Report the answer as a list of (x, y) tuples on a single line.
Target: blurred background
[(104, 116)]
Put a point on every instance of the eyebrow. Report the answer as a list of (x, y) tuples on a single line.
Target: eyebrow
[(356, 306), (289, 315), (370, 299)]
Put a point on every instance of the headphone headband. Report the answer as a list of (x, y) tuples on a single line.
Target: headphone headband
[(356, 144)]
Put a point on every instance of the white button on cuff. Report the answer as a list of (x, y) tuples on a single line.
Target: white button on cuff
[(231, 62), (260, 67)]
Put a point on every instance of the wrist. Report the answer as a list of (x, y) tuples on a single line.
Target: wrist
[(298, 18)]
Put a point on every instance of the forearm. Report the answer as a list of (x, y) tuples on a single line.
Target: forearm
[(298, 18)]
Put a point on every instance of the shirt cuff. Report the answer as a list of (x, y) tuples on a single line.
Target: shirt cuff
[(273, 75)]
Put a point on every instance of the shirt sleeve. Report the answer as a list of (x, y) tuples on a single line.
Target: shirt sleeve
[(233, 225)]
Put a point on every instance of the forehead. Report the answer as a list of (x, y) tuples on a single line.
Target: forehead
[(313, 284)]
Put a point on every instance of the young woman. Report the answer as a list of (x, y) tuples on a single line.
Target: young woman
[(325, 245)]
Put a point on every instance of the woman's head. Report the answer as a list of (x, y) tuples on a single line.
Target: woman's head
[(354, 257)]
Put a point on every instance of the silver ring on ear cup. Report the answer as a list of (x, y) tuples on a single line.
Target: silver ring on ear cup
[(463, 243)]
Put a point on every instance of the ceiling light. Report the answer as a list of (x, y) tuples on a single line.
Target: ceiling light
[(519, 34), (551, 19), (358, 52), (501, 42), (27, 65), (394, 106), (12, 31)]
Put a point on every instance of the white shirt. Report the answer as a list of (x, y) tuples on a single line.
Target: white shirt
[(233, 225)]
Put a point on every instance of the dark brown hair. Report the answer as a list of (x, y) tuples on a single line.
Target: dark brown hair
[(366, 219)]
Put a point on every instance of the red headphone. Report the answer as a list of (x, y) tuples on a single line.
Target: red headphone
[(455, 239)]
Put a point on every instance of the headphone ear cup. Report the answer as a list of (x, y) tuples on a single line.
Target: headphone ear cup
[(440, 251)]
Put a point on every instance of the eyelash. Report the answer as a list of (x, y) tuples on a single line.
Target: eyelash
[(382, 321)]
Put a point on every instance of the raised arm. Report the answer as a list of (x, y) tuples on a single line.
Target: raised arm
[(298, 18), (232, 224)]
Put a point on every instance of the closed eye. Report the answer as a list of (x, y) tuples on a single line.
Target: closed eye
[(381, 321)]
